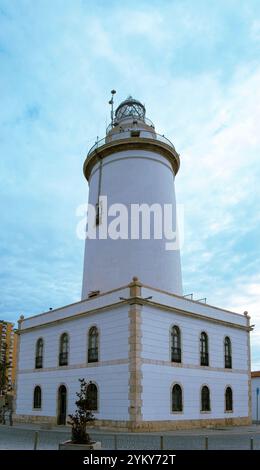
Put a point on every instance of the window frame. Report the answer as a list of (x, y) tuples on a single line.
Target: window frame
[(179, 348), (60, 350), (206, 353), (37, 386), (182, 399), (232, 399), (91, 382), (37, 356), (228, 357), (92, 327), (201, 399)]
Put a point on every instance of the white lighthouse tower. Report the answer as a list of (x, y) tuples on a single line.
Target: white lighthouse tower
[(135, 167)]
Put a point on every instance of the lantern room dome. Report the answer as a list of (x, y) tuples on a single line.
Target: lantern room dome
[(129, 108)]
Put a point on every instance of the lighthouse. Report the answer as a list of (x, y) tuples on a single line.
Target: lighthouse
[(133, 168), (153, 359)]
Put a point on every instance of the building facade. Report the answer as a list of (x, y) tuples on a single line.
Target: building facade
[(8, 346), (153, 358)]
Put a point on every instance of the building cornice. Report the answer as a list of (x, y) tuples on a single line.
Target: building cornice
[(137, 301), (161, 291)]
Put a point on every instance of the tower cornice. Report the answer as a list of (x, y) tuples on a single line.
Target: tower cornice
[(131, 143)]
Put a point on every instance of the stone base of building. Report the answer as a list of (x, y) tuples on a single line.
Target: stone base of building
[(155, 426), (142, 426), (31, 419)]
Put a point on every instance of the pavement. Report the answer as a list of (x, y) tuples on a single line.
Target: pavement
[(22, 436)]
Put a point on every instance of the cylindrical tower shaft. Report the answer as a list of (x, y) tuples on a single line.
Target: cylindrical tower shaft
[(131, 179)]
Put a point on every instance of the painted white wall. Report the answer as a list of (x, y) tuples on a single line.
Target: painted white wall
[(132, 177), (112, 380), (255, 402), (156, 326), (156, 396), (112, 383), (113, 331), (159, 378)]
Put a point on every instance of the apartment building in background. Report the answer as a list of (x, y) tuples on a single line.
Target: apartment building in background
[(8, 346)]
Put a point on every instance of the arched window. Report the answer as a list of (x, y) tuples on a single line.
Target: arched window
[(93, 344), (204, 349), (205, 398), (64, 350), (229, 399), (37, 397), (176, 344), (39, 354), (92, 394), (176, 398), (62, 405), (228, 353)]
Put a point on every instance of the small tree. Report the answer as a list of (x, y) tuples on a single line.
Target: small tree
[(82, 416)]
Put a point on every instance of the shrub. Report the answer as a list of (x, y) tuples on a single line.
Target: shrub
[(82, 416)]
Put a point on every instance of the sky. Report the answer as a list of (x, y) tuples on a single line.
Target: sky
[(196, 67)]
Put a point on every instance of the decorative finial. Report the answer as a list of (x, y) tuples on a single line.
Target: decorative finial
[(135, 279)]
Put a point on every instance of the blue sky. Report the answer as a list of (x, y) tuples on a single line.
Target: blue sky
[(196, 67)]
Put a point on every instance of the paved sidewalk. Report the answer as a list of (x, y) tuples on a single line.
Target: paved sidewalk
[(21, 436)]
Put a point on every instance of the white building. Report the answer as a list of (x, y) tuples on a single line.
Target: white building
[(153, 358), (256, 396)]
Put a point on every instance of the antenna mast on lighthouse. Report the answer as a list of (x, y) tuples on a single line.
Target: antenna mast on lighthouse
[(111, 102)]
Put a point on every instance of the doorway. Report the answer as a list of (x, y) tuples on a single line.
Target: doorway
[(62, 405)]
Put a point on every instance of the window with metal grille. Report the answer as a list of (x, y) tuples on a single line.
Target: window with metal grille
[(39, 354), (204, 349), (228, 353), (176, 344), (93, 344), (64, 350), (177, 398), (205, 398), (229, 399), (92, 396), (37, 397)]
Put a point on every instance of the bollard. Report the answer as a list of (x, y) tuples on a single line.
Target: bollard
[(36, 439), (161, 442), (115, 442), (251, 443), (206, 443)]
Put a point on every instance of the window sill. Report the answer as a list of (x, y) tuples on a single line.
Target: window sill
[(228, 411), (205, 412)]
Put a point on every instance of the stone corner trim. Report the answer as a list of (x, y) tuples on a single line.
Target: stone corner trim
[(135, 372)]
